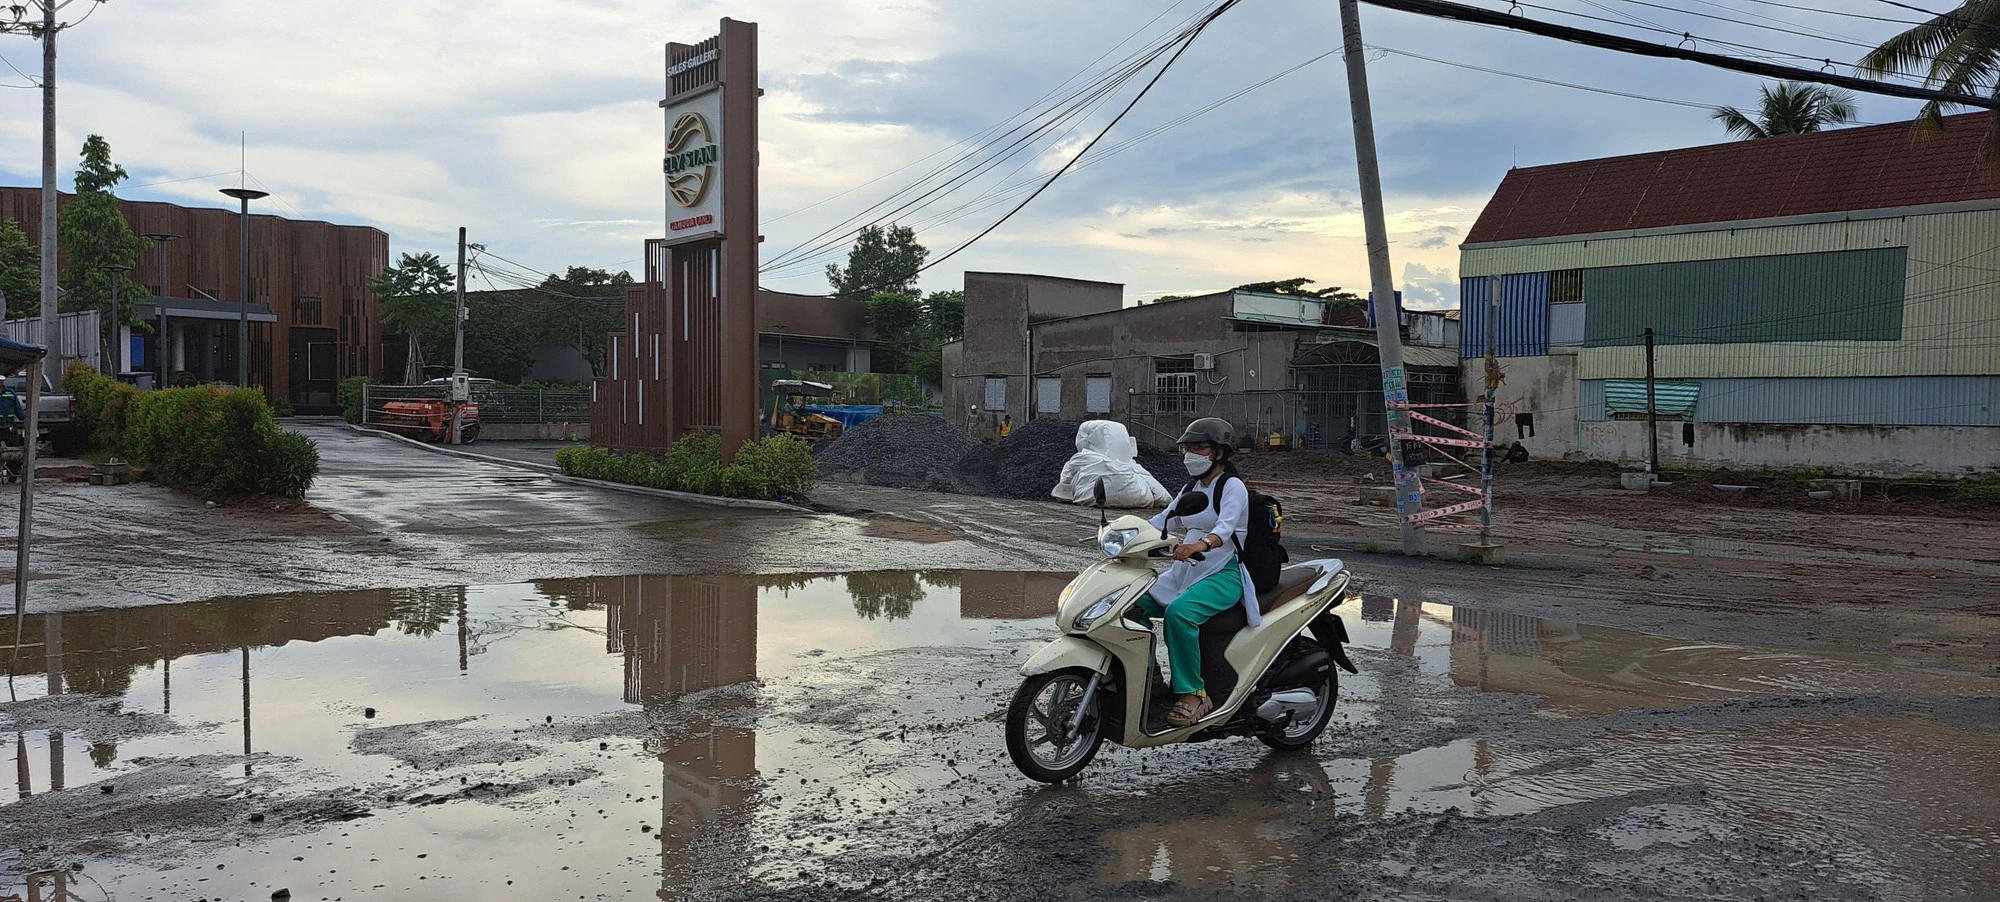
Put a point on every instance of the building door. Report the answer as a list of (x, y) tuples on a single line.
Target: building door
[(315, 368)]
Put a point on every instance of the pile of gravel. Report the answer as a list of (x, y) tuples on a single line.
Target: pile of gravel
[(1025, 466), (903, 452), (925, 452)]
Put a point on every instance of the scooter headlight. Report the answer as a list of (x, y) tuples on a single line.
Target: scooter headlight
[(1096, 611), (1113, 541)]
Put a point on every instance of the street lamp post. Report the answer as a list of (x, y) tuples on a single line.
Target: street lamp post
[(113, 359), (246, 195), (160, 240)]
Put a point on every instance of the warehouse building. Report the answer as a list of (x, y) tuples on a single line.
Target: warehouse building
[(1829, 300), (1297, 367)]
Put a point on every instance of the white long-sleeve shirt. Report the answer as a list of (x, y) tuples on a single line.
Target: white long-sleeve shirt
[(1229, 519)]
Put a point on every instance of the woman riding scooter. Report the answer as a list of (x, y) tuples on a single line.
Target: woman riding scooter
[(1191, 591)]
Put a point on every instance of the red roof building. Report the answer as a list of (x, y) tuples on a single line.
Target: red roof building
[(1875, 167)]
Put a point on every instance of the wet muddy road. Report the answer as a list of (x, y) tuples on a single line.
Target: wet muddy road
[(838, 737)]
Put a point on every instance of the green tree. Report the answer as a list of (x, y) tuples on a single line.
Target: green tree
[(1789, 108), (20, 272), (944, 314), (1957, 51), (898, 318), (419, 299), (504, 329), (99, 245), (881, 260)]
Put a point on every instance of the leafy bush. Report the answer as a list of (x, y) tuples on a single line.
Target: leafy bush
[(219, 444), (102, 405), (777, 467), (290, 465), (784, 461), (1987, 492), (351, 390)]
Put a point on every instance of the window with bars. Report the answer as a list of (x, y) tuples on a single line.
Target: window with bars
[(996, 393), (1174, 385)]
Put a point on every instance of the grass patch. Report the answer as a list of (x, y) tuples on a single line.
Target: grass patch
[(1982, 492)]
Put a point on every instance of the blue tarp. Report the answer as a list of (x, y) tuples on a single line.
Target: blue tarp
[(15, 355), (849, 415)]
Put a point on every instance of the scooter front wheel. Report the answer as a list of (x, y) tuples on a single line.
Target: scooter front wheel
[(1038, 737)]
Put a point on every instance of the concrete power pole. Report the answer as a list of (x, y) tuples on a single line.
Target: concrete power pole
[(1395, 381), (458, 347), (51, 315)]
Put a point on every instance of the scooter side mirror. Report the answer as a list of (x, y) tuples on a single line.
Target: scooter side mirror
[(1190, 503), (1097, 493)]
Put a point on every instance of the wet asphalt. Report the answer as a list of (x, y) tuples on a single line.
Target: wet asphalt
[(460, 729)]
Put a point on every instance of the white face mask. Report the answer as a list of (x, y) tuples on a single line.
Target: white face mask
[(1196, 464)]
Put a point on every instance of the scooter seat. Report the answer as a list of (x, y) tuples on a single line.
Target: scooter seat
[(1292, 583)]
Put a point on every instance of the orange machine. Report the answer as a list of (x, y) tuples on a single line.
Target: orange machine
[(429, 420)]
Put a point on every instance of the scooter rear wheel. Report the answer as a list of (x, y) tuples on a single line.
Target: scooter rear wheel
[(1037, 720), (1300, 735)]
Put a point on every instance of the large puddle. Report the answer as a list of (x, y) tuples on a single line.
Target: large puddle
[(605, 738)]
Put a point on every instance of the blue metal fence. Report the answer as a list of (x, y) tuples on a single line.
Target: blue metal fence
[(1524, 315)]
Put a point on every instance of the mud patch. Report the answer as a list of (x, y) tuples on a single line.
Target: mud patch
[(440, 744), (101, 718)]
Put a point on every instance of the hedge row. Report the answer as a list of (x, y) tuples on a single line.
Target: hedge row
[(220, 444), (778, 468)]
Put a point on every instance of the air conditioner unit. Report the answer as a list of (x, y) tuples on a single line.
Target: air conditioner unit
[(1204, 362)]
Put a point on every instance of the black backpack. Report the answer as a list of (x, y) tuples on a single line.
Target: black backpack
[(1263, 551)]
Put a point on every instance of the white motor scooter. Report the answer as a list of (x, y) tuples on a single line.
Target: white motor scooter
[(1272, 681)]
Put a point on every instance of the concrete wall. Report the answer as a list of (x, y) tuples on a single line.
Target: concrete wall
[(1545, 387), (1883, 451), (998, 309)]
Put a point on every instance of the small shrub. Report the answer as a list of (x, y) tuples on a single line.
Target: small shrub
[(291, 462), (218, 444), (739, 481), (102, 404), (1987, 492), (785, 463), (1371, 548), (772, 468), (281, 408), (352, 389), (694, 464)]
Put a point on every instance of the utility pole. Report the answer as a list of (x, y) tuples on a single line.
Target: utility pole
[(1493, 283), (45, 31), (1652, 412), (1395, 381), (458, 347)]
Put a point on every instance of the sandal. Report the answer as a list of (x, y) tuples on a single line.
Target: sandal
[(1189, 709)]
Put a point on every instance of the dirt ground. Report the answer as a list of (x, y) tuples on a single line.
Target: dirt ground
[(576, 692)]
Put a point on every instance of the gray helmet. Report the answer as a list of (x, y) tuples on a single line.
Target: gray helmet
[(1213, 430)]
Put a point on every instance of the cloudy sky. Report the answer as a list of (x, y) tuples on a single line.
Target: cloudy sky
[(535, 124)]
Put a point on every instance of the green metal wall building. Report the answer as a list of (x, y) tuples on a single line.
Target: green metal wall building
[(1828, 300)]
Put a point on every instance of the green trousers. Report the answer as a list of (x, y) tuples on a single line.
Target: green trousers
[(1184, 618)]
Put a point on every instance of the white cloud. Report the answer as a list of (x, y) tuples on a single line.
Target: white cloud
[(536, 127)]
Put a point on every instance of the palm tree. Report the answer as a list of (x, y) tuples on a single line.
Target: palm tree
[(1958, 51), (1791, 108)]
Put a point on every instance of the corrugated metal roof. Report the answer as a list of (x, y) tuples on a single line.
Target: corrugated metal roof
[(1869, 168)]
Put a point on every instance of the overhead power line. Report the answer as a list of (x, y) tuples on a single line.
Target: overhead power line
[(1459, 12)]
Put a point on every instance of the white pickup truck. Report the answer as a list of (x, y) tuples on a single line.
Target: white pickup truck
[(56, 419)]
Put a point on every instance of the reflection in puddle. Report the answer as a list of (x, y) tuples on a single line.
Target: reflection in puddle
[(644, 729), (409, 687)]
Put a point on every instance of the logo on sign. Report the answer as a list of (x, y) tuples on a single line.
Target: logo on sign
[(691, 157)]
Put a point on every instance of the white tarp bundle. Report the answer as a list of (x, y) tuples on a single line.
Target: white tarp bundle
[(1105, 450)]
